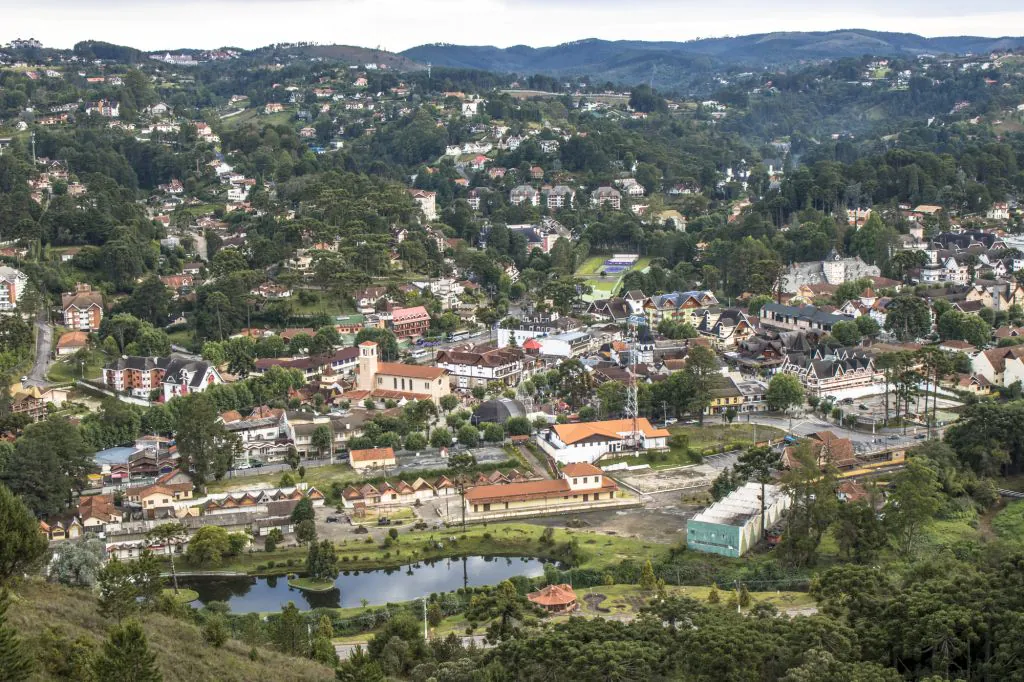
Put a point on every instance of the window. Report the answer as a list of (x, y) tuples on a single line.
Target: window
[(575, 481)]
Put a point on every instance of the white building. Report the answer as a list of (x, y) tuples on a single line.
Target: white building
[(589, 441), (12, 287)]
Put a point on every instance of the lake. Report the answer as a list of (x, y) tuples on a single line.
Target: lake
[(248, 594)]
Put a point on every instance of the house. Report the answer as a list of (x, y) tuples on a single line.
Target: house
[(1000, 366), (831, 371), (555, 598), (470, 369), (383, 380), (827, 449), (409, 322), (779, 316), (725, 395), (681, 306), (833, 270), (12, 287), (273, 108), (589, 441), (103, 107), (271, 291), (577, 485), (330, 364), (524, 194), (603, 196), (369, 298), (373, 458), (732, 526), (726, 327), (560, 196), (72, 342), (427, 202), (999, 211), (83, 308), (32, 401), (173, 375)]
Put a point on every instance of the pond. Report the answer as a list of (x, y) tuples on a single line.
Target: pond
[(248, 594)]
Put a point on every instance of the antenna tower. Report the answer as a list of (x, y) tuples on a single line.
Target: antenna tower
[(632, 403)]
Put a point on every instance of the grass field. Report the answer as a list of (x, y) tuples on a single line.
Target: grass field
[(64, 371), (332, 305), (184, 595), (319, 477), (259, 118), (40, 610), (590, 271), (311, 585), (730, 436)]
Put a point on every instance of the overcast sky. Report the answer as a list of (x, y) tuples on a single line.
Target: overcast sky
[(399, 24)]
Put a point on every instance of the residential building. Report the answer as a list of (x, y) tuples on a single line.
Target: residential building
[(12, 287), (680, 306), (732, 526), (779, 316), (589, 441), (524, 194), (382, 380), (469, 369), (174, 376), (606, 196), (727, 327), (1000, 366), (83, 308), (410, 322), (331, 364), (372, 458), (104, 107), (999, 211), (577, 485), (427, 202), (72, 342), (559, 196), (542, 236)]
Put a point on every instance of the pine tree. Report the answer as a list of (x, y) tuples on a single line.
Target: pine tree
[(126, 656), (15, 663), (713, 597), (648, 581)]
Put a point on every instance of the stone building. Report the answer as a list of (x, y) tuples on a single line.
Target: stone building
[(833, 270)]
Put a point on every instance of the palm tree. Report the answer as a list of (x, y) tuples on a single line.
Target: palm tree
[(169, 534)]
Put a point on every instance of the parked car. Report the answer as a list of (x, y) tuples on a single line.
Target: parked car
[(332, 519)]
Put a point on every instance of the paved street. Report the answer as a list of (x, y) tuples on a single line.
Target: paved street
[(44, 355)]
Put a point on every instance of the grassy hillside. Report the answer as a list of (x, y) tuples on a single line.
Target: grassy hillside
[(181, 652)]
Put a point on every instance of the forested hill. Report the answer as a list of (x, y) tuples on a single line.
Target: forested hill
[(674, 64)]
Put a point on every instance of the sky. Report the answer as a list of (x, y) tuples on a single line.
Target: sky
[(400, 24)]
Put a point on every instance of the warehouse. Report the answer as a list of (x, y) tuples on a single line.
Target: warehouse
[(732, 525)]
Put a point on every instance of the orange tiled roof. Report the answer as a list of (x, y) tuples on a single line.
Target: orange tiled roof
[(612, 429), (371, 454)]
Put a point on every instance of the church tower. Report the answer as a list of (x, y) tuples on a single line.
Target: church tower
[(367, 365)]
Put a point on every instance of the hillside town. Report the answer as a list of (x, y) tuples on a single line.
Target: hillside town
[(276, 315)]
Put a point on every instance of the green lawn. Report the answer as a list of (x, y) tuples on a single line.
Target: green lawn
[(626, 600), (311, 584), (184, 595), (730, 436), (319, 477), (259, 118), (1008, 524), (327, 303)]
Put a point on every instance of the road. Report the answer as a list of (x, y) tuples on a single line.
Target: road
[(44, 355), (808, 424)]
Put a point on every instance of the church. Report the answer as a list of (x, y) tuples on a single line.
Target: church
[(395, 380)]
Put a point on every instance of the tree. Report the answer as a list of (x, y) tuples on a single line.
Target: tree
[(846, 333), (208, 546), (303, 511), (22, 546), (758, 464), (785, 392), (118, 593), (449, 402), (867, 326), (494, 433), (440, 437), (914, 498), (77, 564), (323, 647), (758, 302), (322, 561), (468, 435), (16, 663), (292, 457), (908, 317), (205, 447), (322, 440), (274, 537), (305, 531), (216, 631), (125, 656), (415, 441), (810, 485), (701, 369), (170, 535), (648, 581), (859, 532), (288, 631), (387, 343), (49, 461), (518, 426)]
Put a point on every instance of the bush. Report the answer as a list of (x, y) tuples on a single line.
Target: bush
[(360, 530), (393, 533)]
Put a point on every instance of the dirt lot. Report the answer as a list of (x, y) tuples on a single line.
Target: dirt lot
[(663, 520)]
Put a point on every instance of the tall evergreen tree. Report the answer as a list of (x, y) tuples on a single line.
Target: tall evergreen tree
[(126, 657), (15, 663)]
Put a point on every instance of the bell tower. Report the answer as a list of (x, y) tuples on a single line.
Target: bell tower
[(367, 365)]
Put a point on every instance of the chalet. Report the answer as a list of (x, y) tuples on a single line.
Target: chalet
[(681, 306), (470, 369)]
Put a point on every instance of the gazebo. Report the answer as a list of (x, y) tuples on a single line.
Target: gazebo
[(555, 598)]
